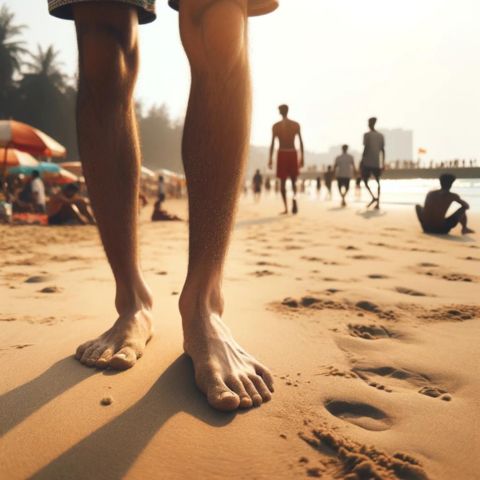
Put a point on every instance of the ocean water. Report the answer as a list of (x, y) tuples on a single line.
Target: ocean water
[(409, 192)]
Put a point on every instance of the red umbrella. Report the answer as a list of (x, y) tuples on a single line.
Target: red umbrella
[(24, 137), (15, 158)]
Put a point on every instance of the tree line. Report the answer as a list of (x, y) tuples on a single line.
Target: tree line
[(34, 89)]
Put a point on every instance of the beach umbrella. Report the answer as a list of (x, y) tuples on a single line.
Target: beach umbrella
[(50, 172), (29, 139), (147, 173), (41, 167), (13, 158), (74, 167)]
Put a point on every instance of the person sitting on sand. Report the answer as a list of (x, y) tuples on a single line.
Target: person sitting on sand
[(288, 164), (66, 207), (159, 215), (344, 170), (432, 214)]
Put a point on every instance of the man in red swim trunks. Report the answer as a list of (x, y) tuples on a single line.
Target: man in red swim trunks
[(215, 145), (288, 163)]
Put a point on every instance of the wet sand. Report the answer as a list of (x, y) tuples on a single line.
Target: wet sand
[(371, 328)]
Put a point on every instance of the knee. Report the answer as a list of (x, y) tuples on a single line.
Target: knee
[(214, 34), (108, 59)]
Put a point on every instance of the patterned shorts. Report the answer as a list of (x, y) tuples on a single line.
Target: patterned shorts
[(146, 8)]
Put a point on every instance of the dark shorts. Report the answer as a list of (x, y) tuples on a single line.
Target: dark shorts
[(58, 219), (343, 182), (450, 222), (146, 8), (368, 172)]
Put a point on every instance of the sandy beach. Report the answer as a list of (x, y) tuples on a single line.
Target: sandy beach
[(370, 327)]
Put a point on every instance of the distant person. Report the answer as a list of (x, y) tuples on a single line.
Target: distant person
[(159, 215), (319, 184), (344, 171), (328, 179), (38, 193), (257, 183), (161, 193), (66, 207), (268, 184), (371, 165), (288, 164), (432, 214)]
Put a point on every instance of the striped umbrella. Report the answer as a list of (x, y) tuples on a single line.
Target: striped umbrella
[(14, 158)]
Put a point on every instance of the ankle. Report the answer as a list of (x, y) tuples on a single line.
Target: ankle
[(132, 297), (200, 301)]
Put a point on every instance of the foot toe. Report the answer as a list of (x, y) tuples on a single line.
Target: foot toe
[(261, 387), (223, 399), (265, 374), (81, 349), (104, 359), (252, 392), (237, 386), (94, 356), (87, 354), (123, 359)]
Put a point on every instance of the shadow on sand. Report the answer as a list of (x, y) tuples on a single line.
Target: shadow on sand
[(21, 402), (109, 452), (452, 238), (368, 214)]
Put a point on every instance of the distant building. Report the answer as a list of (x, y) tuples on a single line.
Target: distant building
[(398, 144)]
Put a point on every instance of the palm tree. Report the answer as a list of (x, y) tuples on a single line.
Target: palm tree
[(11, 51), (45, 65)]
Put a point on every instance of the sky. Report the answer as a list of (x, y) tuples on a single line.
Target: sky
[(412, 63)]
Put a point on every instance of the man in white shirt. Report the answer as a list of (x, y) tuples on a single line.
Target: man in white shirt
[(374, 144), (344, 169), (38, 192)]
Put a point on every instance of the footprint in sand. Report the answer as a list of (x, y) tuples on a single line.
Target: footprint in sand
[(363, 257), (360, 414), (52, 289), (39, 279), (371, 307), (377, 276), (455, 313), (400, 378), (262, 273), (410, 291), (457, 277), (370, 332), (472, 259), (353, 460), (427, 265)]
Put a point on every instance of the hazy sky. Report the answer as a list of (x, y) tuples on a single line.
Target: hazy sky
[(412, 63)]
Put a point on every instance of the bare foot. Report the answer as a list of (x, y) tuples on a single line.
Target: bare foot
[(294, 207), (466, 231), (122, 345), (228, 376)]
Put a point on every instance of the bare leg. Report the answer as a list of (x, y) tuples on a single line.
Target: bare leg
[(283, 191), (377, 206), (108, 142), (365, 181), (294, 201), (214, 34), (463, 223)]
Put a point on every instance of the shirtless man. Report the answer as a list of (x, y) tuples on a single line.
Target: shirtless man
[(66, 207), (432, 215), (371, 163), (288, 164), (215, 144)]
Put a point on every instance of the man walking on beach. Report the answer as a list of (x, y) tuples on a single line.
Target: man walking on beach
[(38, 193), (344, 169), (374, 147), (288, 164), (432, 214), (215, 143)]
